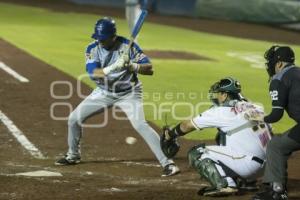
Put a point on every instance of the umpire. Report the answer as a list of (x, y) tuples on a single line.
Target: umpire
[(285, 93)]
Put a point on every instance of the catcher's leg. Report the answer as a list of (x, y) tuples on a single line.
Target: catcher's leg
[(211, 171), (206, 167)]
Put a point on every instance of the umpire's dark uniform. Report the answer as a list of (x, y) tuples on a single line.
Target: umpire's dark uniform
[(285, 93)]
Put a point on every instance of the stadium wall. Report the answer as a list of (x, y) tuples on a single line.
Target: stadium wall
[(277, 12)]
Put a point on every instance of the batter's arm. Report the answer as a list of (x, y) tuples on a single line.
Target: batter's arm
[(145, 69), (94, 70), (142, 66), (98, 73), (140, 62), (119, 64)]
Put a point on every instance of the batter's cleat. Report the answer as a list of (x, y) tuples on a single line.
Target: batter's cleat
[(270, 194), (170, 170), (213, 192), (67, 161)]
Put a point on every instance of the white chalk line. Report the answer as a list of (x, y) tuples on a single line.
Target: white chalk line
[(129, 162), (255, 59), (22, 139), (38, 173), (13, 73), (112, 189), (140, 163)]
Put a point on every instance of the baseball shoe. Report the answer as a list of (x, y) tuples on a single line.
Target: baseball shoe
[(170, 170), (68, 161), (270, 194), (213, 192)]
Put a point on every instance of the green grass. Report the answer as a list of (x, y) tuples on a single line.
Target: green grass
[(60, 39)]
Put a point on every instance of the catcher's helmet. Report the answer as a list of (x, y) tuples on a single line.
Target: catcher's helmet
[(104, 28), (228, 85), (278, 53)]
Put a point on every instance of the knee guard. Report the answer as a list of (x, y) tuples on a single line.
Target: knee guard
[(195, 153), (208, 170)]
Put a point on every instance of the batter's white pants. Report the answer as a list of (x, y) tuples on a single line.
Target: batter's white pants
[(131, 103)]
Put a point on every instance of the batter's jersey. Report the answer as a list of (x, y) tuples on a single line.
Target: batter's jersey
[(285, 91), (245, 141), (120, 80)]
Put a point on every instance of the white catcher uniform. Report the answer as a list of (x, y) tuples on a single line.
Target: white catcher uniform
[(120, 88), (245, 140)]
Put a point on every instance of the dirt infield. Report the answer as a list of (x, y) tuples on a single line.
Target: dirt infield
[(111, 169), (108, 161)]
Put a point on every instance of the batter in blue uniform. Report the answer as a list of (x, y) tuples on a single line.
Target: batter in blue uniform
[(114, 67)]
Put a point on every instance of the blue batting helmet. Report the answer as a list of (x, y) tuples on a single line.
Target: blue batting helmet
[(104, 28)]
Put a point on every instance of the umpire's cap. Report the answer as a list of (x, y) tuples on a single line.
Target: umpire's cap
[(104, 28)]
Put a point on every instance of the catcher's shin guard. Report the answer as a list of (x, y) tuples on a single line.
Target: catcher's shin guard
[(208, 170), (195, 153)]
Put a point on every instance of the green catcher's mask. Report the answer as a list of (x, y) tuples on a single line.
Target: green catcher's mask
[(228, 85)]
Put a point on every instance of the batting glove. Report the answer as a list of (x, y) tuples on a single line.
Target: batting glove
[(133, 67), (119, 64)]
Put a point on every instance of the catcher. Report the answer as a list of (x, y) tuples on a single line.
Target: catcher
[(243, 150)]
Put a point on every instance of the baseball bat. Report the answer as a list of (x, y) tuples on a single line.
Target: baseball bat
[(137, 27)]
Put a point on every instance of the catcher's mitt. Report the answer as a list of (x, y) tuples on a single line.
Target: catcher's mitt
[(169, 146)]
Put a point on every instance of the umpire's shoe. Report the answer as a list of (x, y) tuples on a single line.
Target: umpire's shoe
[(270, 194), (66, 160), (170, 170)]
